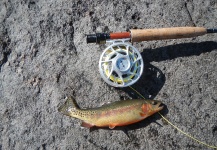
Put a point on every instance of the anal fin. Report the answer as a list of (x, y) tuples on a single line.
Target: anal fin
[(87, 125)]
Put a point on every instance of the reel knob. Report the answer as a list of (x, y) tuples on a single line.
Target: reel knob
[(120, 64)]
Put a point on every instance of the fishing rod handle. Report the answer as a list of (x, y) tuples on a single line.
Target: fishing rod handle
[(138, 35)]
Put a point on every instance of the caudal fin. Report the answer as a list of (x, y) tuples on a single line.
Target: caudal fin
[(70, 103)]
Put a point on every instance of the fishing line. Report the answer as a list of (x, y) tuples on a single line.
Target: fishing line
[(181, 131)]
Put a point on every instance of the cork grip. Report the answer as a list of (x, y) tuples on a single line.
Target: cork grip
[(138, 35)]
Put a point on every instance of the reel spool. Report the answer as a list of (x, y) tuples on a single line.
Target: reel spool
[(120, 64)]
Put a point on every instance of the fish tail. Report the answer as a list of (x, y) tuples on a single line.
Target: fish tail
[(69, 104)]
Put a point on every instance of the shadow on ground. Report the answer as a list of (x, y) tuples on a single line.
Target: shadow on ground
[(149, 84), (179, 50), (152, 79)]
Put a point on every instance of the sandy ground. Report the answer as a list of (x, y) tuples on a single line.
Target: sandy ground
[(44, 57)]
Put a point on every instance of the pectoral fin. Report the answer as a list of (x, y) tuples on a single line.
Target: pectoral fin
[(87, 125), (143, 114)]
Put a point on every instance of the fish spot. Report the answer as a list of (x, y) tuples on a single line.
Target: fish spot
[(71, 109)]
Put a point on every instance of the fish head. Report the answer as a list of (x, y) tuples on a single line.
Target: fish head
[(152, 106)]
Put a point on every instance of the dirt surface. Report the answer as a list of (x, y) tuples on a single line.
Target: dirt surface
[(44, 57)]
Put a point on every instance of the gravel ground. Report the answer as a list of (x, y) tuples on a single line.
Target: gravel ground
[(44, 57)]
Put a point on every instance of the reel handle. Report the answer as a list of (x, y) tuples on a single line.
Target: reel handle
[(138, 35)]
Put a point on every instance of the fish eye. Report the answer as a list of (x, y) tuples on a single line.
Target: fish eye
[(154, 103)]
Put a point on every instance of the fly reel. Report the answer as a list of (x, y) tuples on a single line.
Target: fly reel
[(120, 64)]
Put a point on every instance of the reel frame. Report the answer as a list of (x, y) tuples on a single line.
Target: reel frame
[(120, 64)]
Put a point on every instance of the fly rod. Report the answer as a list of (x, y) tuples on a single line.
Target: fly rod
[(138, 35), (121, 64)]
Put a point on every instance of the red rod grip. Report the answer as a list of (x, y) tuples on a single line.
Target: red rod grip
[(120, 35)]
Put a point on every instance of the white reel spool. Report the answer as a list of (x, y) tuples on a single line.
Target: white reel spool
[(120, 64)]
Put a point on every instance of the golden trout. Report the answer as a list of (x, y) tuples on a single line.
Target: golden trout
[(119, 113)]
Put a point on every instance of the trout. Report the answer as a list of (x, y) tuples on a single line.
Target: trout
[(119, 113)]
